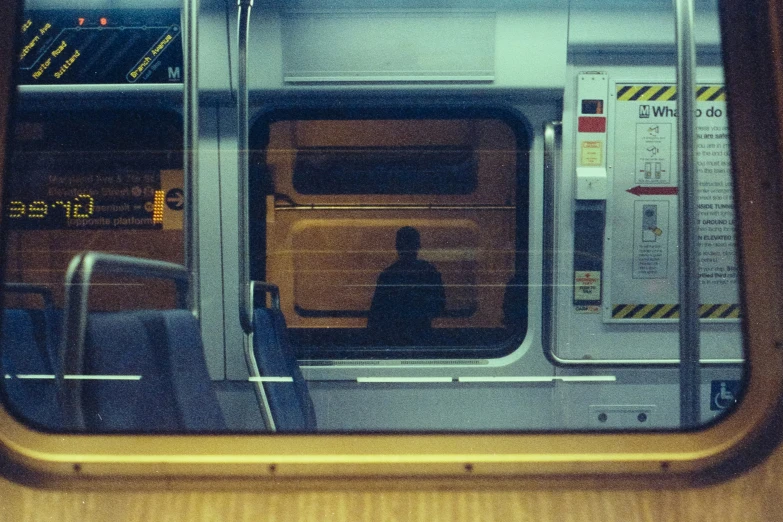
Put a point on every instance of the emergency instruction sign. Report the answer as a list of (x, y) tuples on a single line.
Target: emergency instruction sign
[(642, 232)]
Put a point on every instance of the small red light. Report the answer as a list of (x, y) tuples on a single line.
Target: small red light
[(81, 21), (103, 20)]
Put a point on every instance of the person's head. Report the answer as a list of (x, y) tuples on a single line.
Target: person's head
[(408, 241)]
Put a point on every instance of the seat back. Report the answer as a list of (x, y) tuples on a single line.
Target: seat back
[(150, 374), (29, 381), (290, 403)]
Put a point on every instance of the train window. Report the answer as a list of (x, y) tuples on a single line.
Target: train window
[(103, 176), (87, 180), (84, 180), (425, 239), (363, 212)]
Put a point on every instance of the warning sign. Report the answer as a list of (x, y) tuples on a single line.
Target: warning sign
[(672, 311), (592, 154), (587, 286), (642, 260)]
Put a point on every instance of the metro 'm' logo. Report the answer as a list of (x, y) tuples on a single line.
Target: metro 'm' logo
[(659, 112)]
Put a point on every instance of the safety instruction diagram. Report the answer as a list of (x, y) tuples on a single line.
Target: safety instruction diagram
[(651, 243), (642, 235), (653, 153)]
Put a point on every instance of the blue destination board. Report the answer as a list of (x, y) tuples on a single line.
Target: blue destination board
[(100, 47)]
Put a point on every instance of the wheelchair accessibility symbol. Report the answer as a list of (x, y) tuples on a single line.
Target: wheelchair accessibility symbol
[(724, 394)]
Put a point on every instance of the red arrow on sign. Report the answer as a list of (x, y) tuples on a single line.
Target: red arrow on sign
[(653, 191)]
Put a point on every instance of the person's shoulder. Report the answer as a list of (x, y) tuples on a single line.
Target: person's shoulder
[(397, 265), (426, 266), (389, 271)]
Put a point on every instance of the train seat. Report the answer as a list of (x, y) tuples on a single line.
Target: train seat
[(28, 366), (162, 351), (290, 403)]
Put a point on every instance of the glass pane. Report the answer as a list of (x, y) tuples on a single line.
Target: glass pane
[(459, 217), (96, 165), (387, 259)]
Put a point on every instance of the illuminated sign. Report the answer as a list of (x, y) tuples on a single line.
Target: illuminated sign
[(70, 200), (105, 47), (80, 207)]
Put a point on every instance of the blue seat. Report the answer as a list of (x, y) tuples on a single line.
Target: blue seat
[(290, 403), (28, 367), (163, 347)]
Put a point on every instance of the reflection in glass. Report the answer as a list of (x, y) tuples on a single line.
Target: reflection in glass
[(487, 249), (408, 296)]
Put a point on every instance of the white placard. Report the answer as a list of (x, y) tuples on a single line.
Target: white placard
[(642, 235)]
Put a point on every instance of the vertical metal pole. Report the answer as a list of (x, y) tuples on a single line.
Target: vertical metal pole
[(552, 135), (245, 302), (190, 163), (689, 248), (243, 154)]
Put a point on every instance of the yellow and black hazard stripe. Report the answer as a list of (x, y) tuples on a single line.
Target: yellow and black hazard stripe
[(667, 93), (646, 92), (711, 93), (672, 311)]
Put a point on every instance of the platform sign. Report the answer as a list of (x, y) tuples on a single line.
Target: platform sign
[(642, 232), (128, 199)]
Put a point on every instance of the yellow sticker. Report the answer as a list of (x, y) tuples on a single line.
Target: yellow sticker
[(592, 154), (169, 203)]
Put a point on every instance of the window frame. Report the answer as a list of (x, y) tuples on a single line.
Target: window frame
[(509, 115), (717, 452)]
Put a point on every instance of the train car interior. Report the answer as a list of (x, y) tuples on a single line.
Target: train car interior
[(369, 216)]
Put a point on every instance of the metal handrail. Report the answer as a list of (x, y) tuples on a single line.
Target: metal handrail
[(250, 356), (283, 208), (243, 144), (77, 285), (687, 205), (552, 131), (190, 14)]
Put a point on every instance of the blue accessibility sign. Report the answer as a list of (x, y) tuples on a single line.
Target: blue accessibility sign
[(724, 394)]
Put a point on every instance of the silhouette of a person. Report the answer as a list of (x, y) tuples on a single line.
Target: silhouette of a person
[(408, 296)]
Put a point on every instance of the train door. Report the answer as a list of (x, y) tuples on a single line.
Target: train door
[(618, 246)]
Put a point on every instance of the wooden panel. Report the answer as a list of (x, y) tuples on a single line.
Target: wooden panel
[(754, 497), (315, 275), (492, 140), (41, 257)]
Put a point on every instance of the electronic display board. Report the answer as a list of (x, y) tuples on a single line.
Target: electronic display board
[(100, 47), (96, 169), (94, 199)]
